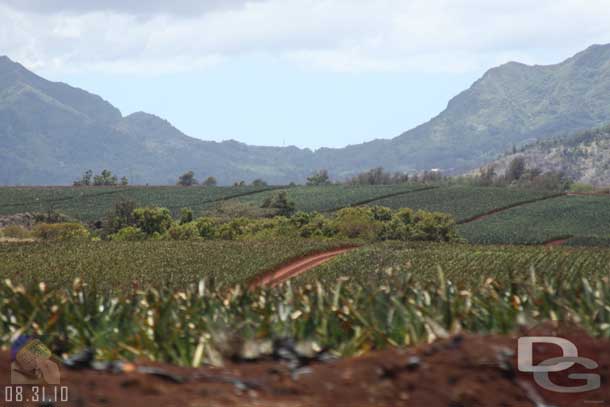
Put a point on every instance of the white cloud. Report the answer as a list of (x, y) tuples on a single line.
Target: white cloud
[(336, 35)]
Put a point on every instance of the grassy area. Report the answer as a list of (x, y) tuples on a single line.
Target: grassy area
[(333, 197), (463, 202), (468, 266), (88, 204), (577, 216), (116, 265)]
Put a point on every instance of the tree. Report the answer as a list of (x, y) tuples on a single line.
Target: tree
[(120, 217), (487, 176), (187, 179), (124, 181), (186, 215), (280, 203), (239, 183), (85, 180), (153, 220), (259, 183), (210, 182), (516, 169), (319, 178), (105, 178)]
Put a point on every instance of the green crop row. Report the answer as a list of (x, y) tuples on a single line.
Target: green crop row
[(568, 216), (87, 204), (333, 197), (116, 265), (463, 202), (198, 323), (469, 266)]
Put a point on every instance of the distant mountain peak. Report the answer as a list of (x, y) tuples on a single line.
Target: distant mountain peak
[(512, 104)]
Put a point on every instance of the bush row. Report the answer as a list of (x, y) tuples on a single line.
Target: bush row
[(364, 223)]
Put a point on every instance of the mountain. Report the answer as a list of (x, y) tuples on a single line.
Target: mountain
[(583, 156), (51, 132), (513, 104)]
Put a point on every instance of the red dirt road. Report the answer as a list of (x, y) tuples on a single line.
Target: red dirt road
[(297, 267)]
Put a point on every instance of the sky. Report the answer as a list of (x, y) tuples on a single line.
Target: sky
[(309, 73)]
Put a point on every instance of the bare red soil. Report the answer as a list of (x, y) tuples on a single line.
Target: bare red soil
[(462, 371), (297, 267), (556, 242)]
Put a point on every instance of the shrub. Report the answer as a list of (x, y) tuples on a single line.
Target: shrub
[(434, 226), (51, 216), (581, 188), (233, 229), (280, 203), (153, 220), (357, 223), (207, 227), (60, 231), (186, 215), (129, 234), (186, 231), (187, 179), (120, 217), (15, 232)]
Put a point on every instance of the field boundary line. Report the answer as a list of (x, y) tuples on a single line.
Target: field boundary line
[(511, 206), (228, 198), (127, 190), (557, 241), (380, 197), (69, 198)]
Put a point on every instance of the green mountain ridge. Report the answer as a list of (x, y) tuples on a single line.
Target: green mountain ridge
[(51, 132)]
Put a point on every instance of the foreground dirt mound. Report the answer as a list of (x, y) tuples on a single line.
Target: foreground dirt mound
[(459, 371)]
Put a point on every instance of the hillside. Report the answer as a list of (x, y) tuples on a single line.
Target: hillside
[(51, 132), (584, 156), (513, 104)]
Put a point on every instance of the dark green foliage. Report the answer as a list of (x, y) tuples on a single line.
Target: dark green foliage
[(153, 220), (187, 179), (186, 215), (516, 169), (129, 234), (60, 232), (280, 203), (120, 217), (86, 180), (105, 178), (377, 176), (210, 182), (51, 216), (259, 183), (318, 178)]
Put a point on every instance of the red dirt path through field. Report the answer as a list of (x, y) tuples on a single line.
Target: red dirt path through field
[(297, 267)]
